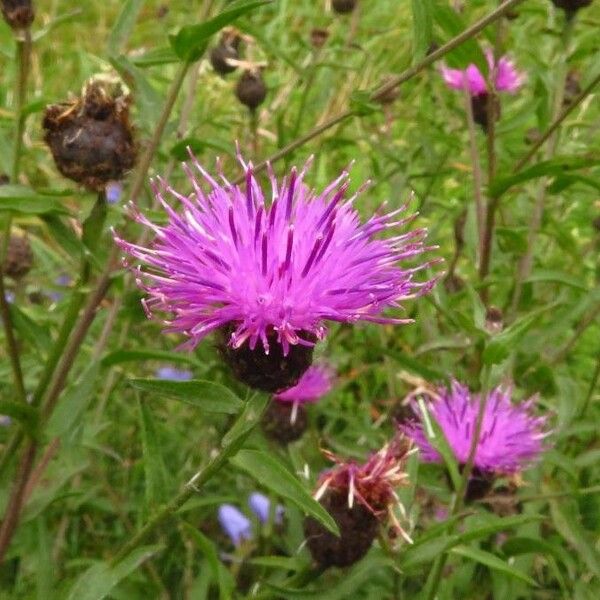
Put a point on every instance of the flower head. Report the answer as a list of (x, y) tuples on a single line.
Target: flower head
[(511, 437), (372, 483), (260, 505), (173, 374), (235, 524), (272, 271), (508, 78), (311, 387)]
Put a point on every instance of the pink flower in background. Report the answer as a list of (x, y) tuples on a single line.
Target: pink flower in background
[(313, 385), (276, 270), (508, 78), (511, 437)]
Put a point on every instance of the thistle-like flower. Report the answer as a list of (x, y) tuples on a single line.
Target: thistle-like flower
[(268, 275), (571, 6), (507, 79), (511, 436), (235, 524), (286, 418), (359, 497)]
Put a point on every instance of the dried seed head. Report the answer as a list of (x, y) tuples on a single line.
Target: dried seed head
[(19, 257), (251, 90), (571, 6), (91, 138), (226, 50), (270, 372), (19, 14), (343, 6)]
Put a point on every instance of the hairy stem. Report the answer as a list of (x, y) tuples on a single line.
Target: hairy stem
[(23, 59)]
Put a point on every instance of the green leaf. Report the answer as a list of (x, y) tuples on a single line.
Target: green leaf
[(362, 105), (100, 579), (190, 42), (207, 395), (516, 546), (64, 236), (35, 334), (123, 26), (422, 12), (198, 146), (122, 356), (493, 562), (549, 168), (154, 466), (74, 403), (155, 57), (22, 199), (270, 472), (94, 224)]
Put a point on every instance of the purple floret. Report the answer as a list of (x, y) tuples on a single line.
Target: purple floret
[(511, 437), (277, 268)]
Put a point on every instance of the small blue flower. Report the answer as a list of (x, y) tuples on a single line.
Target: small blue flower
[(5, 421), (63, 281), (173, 374), (235, 524), (114, 191), (10, 296), (260, 505)]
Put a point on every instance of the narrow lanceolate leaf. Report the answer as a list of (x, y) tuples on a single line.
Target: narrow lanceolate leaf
[(493, 562), (154, 466), (123, 26), (122, 356), (70, 410), (98, 581), (190, 41), (206, 395), (24, 200), (271, 473), (422, 11)]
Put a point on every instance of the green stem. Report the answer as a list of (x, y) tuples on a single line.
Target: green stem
[(23, 59), (592, 387)]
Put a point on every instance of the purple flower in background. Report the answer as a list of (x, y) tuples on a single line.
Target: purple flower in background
[(311, 387), (511, 437), (260, 505), (235, 524), (5, 421), (62, 280), (272, 271), (173, 374), (113, 191), (508, 78)]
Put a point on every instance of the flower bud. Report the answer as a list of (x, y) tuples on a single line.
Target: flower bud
[(318, 37), (343, 6), (227, 48), (571, 6), (251, 90), (19, 257), (19, 14)]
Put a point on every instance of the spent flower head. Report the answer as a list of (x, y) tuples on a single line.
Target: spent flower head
[(272, 271), (511, 436)]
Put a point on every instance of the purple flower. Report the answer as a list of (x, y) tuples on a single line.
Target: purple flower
[(5, 421), (113, 191), (272, 270), (235, 524), (511, 437), (260, 505), (508, 78), (62, 280), (173, 374), (311, 387)]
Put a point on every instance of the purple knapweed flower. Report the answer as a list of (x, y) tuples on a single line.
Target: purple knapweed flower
[(511, 437), (508, 78), (173, 374), (272, 272), (260, 505), (235, 524)]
